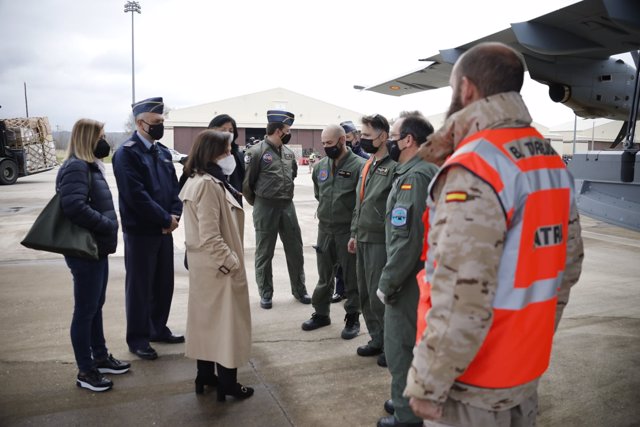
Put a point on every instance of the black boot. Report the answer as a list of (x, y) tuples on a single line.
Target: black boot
[(206, 375), (351, 327), (229, 385)]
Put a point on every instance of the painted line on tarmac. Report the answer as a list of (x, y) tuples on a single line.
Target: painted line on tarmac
[(611, 239)]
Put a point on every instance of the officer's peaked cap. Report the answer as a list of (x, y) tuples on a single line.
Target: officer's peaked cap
[(348, 126), (151, 105), (280, 116)]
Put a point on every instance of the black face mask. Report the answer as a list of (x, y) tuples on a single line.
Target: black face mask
[(367, 145), (155, 131), (334, 151), (285, 138), (102, 150), (394, 150)]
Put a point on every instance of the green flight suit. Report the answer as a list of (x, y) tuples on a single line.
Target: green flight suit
[(268, 187), (367, 227), (404, 231), (334, 186)]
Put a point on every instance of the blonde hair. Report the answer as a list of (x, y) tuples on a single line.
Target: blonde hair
[(84, 138)]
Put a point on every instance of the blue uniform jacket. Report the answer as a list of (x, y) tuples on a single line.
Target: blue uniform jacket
[(90, 207), (148, 187)]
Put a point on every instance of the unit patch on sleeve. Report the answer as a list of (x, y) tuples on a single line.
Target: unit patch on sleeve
[(399, 217), (247, 158), (456, 196), (323, 175)]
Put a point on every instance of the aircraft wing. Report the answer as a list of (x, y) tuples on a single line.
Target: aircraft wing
[(586, 31)]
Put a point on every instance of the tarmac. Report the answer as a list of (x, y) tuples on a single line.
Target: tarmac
[(301, 378)]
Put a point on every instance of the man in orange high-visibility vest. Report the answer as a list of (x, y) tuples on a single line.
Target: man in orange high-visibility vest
[(504, 249)]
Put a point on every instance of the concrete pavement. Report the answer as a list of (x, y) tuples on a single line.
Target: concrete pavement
[(301, 378)]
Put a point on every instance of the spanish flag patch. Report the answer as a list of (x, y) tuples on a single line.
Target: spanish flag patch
[(456, 196), (405, 187)]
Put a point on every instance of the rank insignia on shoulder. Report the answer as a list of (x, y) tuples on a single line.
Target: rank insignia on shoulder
[(382, 171), (456, 196), (406, 187), (267, 158), (344, 173), (323, 175), (247, 158), (399, 217)]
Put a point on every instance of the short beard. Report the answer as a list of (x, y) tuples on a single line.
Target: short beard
[(455, 106)]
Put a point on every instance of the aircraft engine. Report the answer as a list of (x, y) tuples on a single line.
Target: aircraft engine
[(559, 92), (593, 88)]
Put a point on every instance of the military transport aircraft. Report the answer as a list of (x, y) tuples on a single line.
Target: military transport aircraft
[(570, 50)]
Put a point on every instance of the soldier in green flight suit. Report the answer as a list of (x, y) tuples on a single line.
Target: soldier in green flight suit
[(404, 230), (335, 180), (268, 186), (367, 229)]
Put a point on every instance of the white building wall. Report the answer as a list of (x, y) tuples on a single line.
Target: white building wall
[(250, 111)]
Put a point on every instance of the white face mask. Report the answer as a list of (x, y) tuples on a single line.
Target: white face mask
[(227, 164)]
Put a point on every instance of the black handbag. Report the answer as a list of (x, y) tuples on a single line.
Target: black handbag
[(52, 231)]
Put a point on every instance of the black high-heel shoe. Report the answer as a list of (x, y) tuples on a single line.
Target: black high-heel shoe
[(211, 381), (238, 391)]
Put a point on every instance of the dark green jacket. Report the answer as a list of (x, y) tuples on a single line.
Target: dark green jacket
[(403, 227), (269, 172), (367, 224), (334, 185)]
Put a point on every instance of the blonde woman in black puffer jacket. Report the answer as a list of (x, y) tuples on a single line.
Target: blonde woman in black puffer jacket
[(86, 200)]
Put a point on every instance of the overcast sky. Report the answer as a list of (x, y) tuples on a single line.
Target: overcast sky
[(75, 56)]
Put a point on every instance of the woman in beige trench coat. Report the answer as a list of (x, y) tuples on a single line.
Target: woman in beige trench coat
[(218, 317)]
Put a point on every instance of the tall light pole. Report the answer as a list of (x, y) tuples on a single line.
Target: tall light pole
[(132, 6)]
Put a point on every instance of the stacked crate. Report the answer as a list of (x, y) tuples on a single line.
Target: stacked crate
[(33, 137)]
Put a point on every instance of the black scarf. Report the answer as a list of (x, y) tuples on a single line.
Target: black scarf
[(216, 171)]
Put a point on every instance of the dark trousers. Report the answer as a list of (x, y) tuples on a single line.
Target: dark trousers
[(148, 287), (399, 340), (331, 250), (371, 258), (89, 287), (270, 219), (339, 281)]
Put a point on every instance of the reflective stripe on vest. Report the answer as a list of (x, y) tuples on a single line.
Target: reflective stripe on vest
[(535, 191)]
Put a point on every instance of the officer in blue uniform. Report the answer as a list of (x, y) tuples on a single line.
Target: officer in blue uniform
[(353, 140), (149, 212)]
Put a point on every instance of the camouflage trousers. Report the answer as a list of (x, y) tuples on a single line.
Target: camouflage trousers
[(460, 415)]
